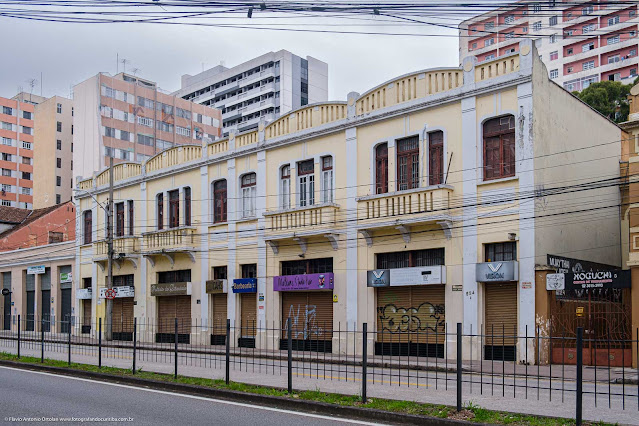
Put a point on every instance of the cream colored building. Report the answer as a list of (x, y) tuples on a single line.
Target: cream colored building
[(434, 178), (53, 152)]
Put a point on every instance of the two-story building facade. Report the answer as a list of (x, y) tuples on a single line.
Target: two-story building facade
[(425, 201)]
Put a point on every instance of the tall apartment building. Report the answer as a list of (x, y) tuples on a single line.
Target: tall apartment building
[(580, 42), (131, 119), (262, 88), (53, 152), (16, 150)]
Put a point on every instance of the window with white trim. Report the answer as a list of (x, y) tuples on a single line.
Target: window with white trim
[(613, 20), (589, 65), (327, 179), (588, 46), (183, 131), (554, 55), (144, 121), (553, 20), (285, 187), (537, 26), (588, 28), (509, 19), (614, 39), (306, 183), (248, 194), (554, 73)]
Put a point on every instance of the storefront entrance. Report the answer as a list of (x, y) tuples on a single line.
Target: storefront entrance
[(311, 314), (500, 325), (170, 308)]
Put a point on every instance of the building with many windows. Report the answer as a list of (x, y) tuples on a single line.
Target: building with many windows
[(435, 195), (260, 89), (16, 150), (131, 119), (579, 42), (53, 152)]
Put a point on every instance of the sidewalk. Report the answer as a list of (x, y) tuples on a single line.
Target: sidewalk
[(401, 387)]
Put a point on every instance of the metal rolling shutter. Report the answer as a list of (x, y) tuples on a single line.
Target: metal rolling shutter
[(321, 326), (183, 314), (248, 314), (311, 314), (500, 314), (219, 303), (65, 309), (6, 283), (166, 314), (123, 315), (86, 312), (46, 309), (424, 305), (30, 309)]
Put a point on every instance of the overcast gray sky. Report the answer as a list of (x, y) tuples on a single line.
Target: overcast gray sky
[(66, 54)]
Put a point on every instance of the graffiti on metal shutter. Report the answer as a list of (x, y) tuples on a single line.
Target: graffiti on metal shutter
[(426, 316), (304, 321)]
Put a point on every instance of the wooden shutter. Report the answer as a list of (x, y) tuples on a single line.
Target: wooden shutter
[(435, 157), (219, 304), (500, 313), (122, 315), (321, 326), (381, 169), (411, 314), (86, 312), (248, 314)]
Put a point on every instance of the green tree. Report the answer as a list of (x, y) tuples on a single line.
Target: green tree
[(610, 98)]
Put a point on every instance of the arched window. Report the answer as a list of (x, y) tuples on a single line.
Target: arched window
[(499, 147), (285, 187), (435, 157), (381, 169), (88, 227), (219, 201), (248, 194)]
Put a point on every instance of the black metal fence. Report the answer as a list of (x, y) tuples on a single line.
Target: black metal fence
[(497, 363)]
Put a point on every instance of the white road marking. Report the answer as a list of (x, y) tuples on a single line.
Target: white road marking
[(202, 398)]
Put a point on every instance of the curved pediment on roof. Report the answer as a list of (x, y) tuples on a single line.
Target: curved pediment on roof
[(306, 117)]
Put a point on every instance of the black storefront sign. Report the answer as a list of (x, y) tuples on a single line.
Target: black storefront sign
[(616, 278), (568, 264)]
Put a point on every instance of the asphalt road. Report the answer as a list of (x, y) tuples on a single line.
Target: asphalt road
[(43, 395)]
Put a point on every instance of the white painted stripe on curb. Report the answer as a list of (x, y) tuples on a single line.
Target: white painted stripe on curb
[(202, 398)]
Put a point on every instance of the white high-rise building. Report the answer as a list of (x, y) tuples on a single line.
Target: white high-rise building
[(261, 88)]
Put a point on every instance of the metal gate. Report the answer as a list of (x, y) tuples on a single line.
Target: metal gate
[(605, 316)]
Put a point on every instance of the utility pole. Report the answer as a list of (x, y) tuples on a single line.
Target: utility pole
[(109, 212)]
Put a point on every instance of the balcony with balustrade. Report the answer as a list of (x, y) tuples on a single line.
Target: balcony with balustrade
[(126, 248), (167, 243), (299, 223), (402, 210)]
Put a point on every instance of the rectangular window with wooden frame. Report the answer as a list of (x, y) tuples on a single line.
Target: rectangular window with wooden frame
[(119, 219), (285, 187), (381, 169), (249, 270), (88, 227), (131, 217), (307, 266), (306, 182), (220, 272), (409, 259), (174, 208), (435, 158), (249, 182), (408, 163), (160, 210), (499, 147), (327, 179), (187, 206), (219, 201), (501, 252)]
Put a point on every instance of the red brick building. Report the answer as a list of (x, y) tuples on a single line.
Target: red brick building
[(55, 224)]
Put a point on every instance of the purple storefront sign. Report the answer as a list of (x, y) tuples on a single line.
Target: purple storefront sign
[(303, 282)]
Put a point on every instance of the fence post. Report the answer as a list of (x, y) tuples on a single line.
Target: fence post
[(228, 349), (580, 365), (69, 342), (18, 336), (289, 327), (135, 337), (42, 339), (176, 349), (364, 359), (459, 366), (100, 342)]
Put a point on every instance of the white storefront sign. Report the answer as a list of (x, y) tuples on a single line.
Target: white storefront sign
[(124, 291), (36, 270), (84, 293)]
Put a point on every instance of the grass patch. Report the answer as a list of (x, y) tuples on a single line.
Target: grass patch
[(472, 412)]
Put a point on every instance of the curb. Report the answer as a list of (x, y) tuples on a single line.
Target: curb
[(291, 404)]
